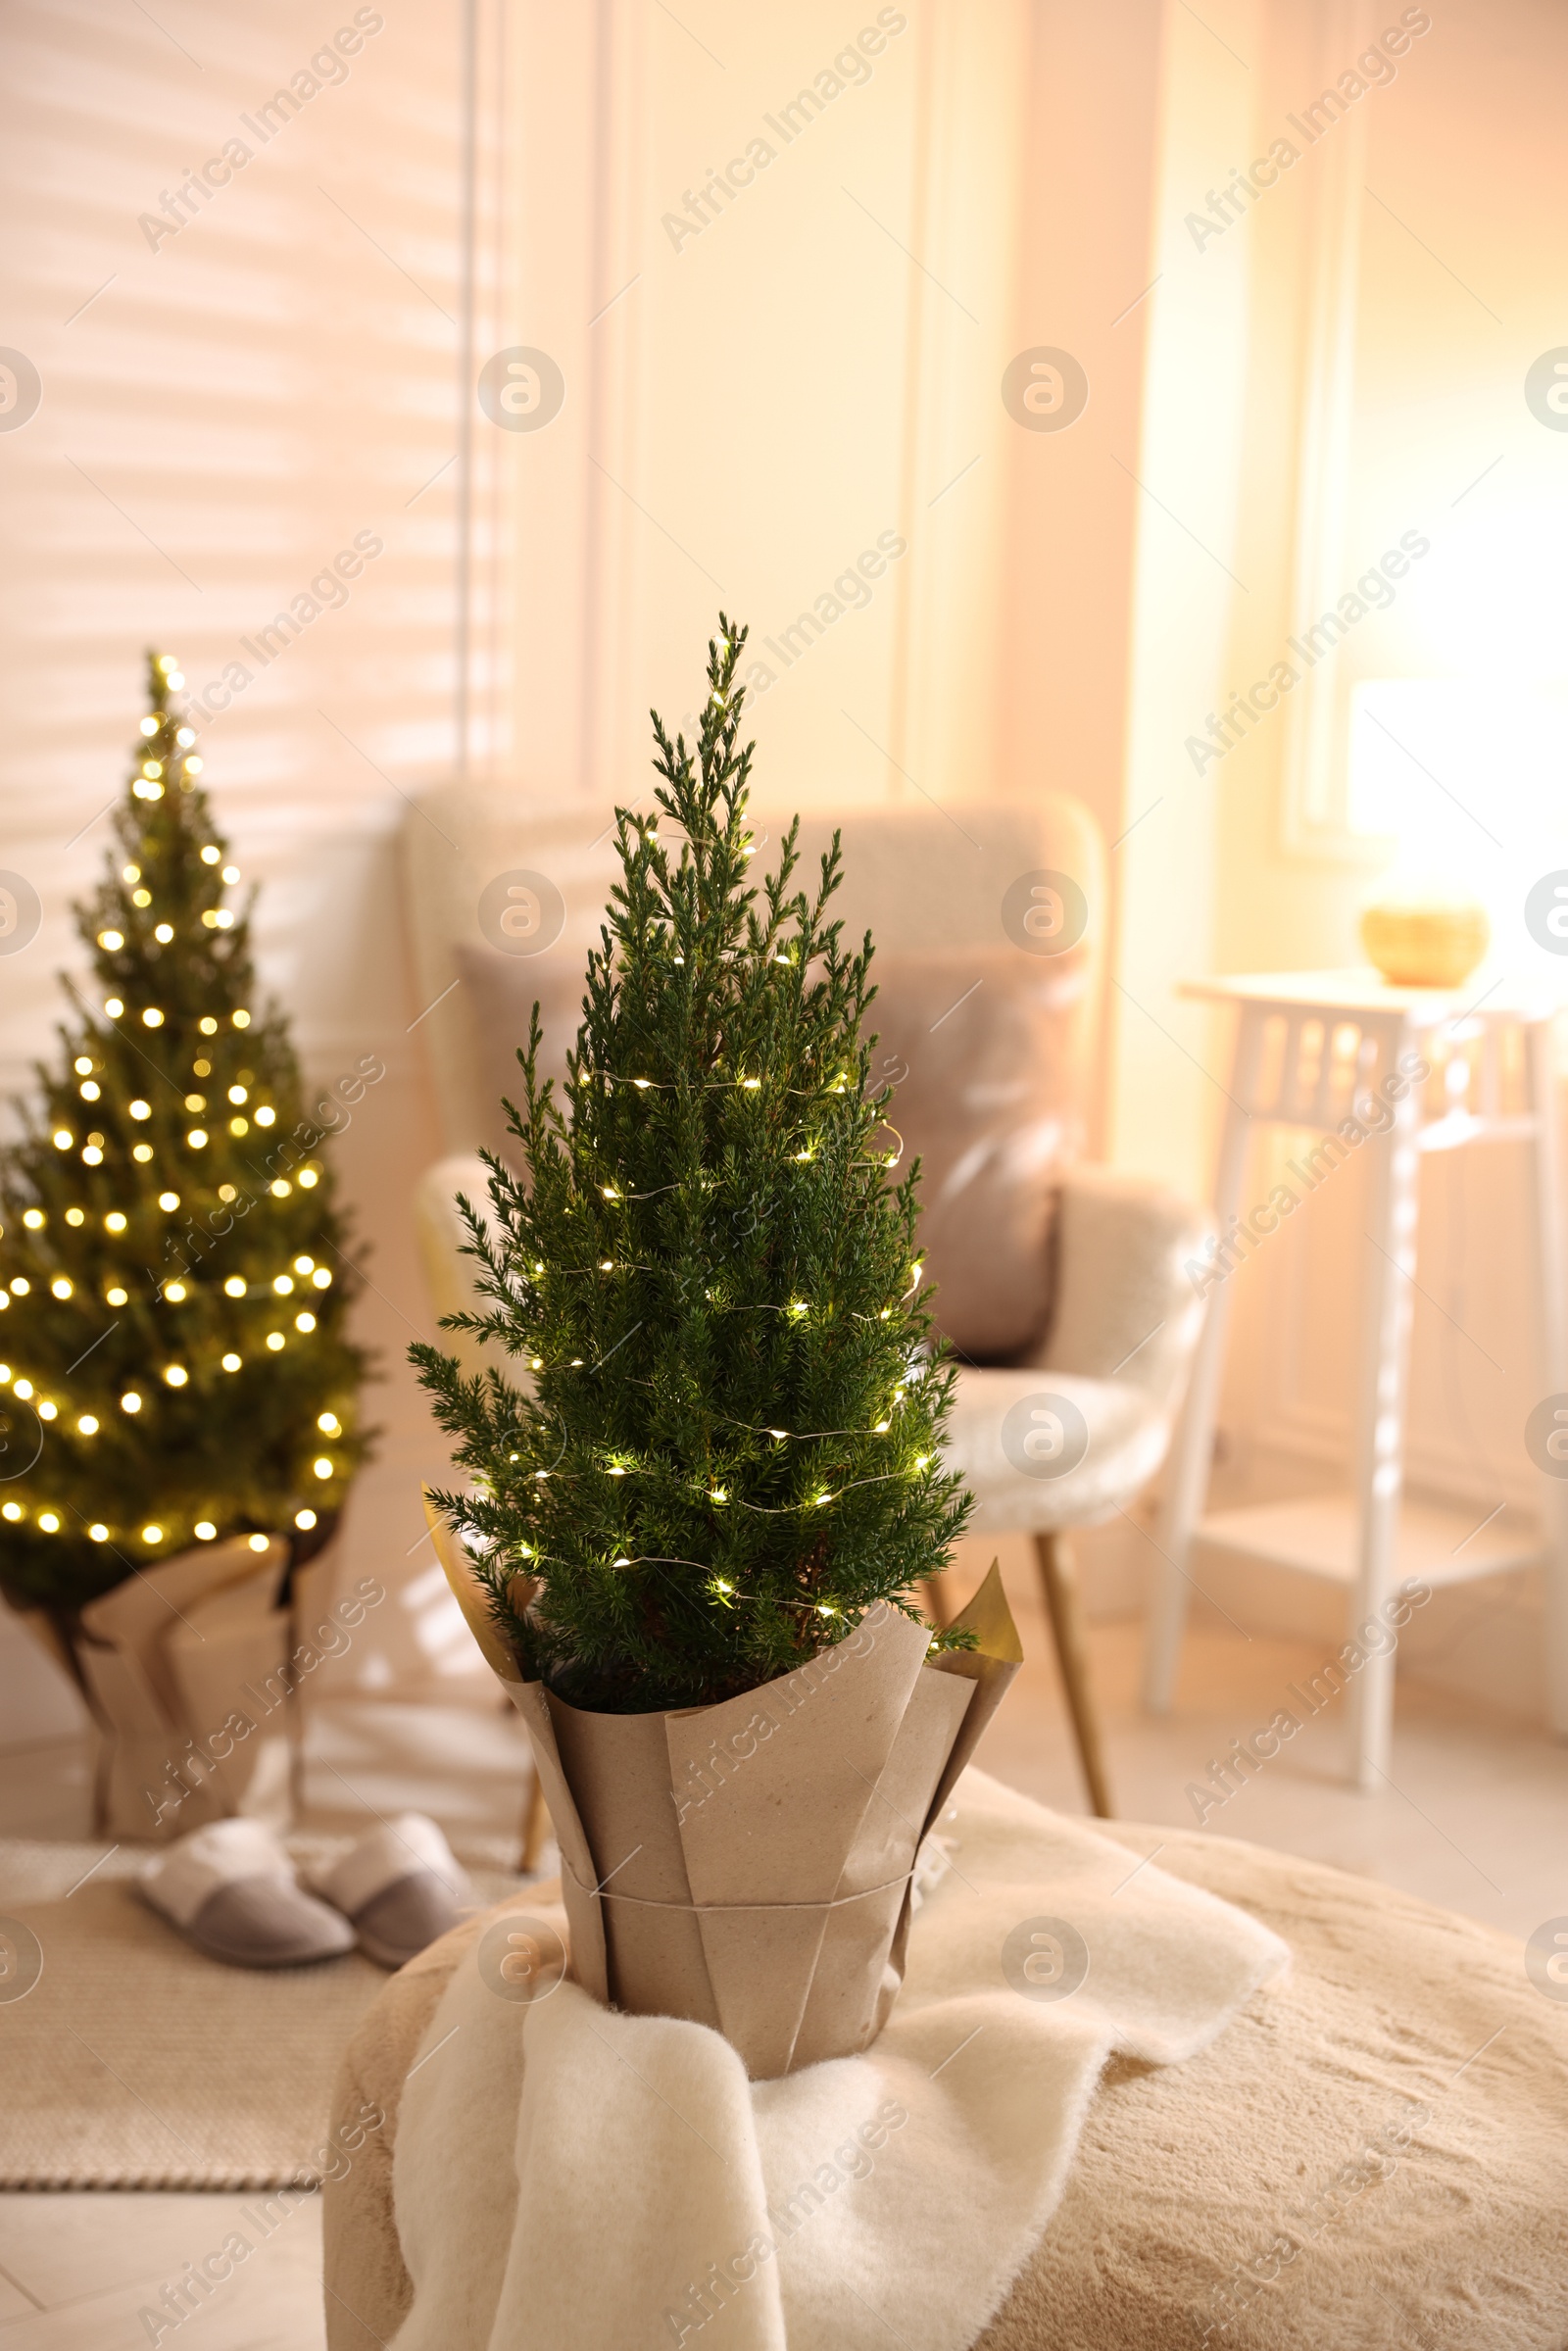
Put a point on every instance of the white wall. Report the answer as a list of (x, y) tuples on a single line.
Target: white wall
[(1399, 278)]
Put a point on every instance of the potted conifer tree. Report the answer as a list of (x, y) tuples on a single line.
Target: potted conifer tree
[(698, 1519), (178, 1392)]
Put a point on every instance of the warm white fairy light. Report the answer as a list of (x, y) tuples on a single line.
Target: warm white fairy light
[(33, 1219), (204, 1530), (116, 1296), (231, 1362), (305, 1520)]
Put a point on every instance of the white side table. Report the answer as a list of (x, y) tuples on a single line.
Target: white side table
[(1308, 1046)]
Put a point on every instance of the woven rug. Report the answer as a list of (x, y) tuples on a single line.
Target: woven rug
[(135, 2062)]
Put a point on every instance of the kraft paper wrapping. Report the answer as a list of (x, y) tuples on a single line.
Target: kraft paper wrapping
[(748, 1865), (164, 1659)]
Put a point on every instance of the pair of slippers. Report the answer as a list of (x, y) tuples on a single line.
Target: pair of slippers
[(232, 1890)]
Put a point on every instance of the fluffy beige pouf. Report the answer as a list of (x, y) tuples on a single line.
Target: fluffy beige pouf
[(1371, 2157)]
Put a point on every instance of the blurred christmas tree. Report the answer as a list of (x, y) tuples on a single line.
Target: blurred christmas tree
[(172, 1265)]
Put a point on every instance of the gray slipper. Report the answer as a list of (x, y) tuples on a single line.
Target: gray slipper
[(400, 1887), (231, 1889)]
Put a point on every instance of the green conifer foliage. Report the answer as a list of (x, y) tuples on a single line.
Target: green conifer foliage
[(728, 1449), (171, 1270)]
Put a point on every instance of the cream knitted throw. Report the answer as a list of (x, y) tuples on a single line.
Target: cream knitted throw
[(564, 2175)]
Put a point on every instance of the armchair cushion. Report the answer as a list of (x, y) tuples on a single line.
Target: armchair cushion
[(1042, 1451), (984, 1048), (1125, 1306), (498, 992)]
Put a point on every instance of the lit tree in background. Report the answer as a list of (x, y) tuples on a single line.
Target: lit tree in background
[(174, 1367)]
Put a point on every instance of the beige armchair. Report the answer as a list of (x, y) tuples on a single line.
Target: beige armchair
[(1060, 1285)]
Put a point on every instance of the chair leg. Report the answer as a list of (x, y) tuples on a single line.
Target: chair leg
[(1060, 1579), (535, 1828)]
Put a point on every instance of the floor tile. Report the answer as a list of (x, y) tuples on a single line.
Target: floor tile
[(108, 2260)]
